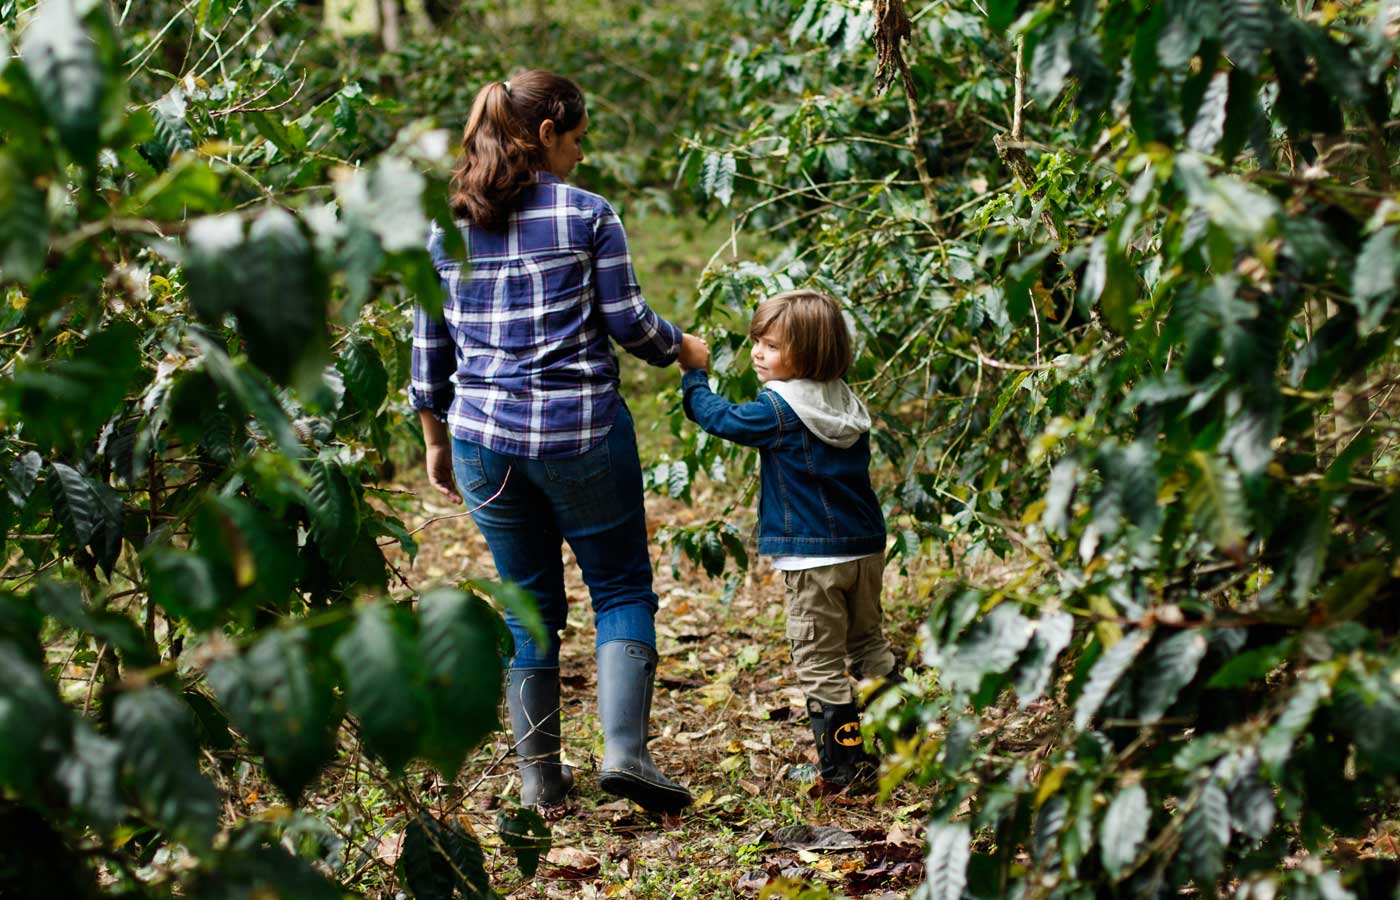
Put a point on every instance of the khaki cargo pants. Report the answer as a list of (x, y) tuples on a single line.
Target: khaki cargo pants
[(834, 624)]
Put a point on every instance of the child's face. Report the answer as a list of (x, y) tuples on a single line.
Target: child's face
[(769, 355)]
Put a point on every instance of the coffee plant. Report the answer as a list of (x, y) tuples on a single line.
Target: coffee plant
[(1123, 279), (207, 272)]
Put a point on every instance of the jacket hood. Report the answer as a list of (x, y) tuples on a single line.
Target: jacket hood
[(829, 409)]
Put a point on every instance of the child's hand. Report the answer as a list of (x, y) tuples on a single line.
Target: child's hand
[(695, 353)]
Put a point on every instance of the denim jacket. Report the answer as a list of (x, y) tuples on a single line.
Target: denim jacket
[(815, 499)]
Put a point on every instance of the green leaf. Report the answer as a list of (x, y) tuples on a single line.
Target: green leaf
[(517, 601), (187, 187), (90, 775), (266, 547), (183, 585), (439, 859), (365, 376), (172, 130), (1001, 13), (280, 693), (214, 259), (1277, 744), (335, 515), (527, 836), (24, 223), (1216, 500), (285, 329), (1051, 64), (1250, 666), (1106, 671), (1123, 829), (255, 866), (251, 393), (459, 637), (74, 503), (734, 545), (678, 480), (1207, 833), (63, 402), (106, 543), (22, 476), (1004, 400), (1209, 126), (161, 765), (711, 554), (1374, 277), (70, 53), (287, 138), (717, 177), (1052, 635), (945, 868), (384, 685), (1247, 31), (62, 601), (1252, 807), (388, 202), (991, 647), (1169, 668), (33, 720)]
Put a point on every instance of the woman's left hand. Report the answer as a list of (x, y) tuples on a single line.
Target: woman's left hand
[(440, 472)]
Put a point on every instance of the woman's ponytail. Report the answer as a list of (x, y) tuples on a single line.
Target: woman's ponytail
[(501, 145)]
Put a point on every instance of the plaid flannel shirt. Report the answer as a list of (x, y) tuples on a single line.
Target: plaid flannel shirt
[(520, 360)]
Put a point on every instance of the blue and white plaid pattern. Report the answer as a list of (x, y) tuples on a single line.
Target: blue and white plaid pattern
[(520, 360)]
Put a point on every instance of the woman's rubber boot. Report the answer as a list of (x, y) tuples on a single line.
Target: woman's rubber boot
[(533, 698), (841, 756), (626, 676)]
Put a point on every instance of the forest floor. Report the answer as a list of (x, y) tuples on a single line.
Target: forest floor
[(728, 719)]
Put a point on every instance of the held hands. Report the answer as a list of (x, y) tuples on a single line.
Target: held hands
[(695, 353)]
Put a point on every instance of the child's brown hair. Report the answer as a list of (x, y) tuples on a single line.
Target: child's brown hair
[(815, 340)]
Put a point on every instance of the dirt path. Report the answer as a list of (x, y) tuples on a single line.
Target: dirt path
[(728, 721)]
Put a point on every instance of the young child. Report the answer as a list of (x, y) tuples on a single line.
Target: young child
[(818, 517)]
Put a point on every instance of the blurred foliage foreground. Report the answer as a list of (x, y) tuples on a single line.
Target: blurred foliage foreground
[(1123, 277)]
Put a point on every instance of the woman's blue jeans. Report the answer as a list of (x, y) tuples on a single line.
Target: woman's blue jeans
[(593, 501)]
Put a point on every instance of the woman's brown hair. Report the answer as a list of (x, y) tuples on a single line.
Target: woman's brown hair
[(809, 326), (501, 143)]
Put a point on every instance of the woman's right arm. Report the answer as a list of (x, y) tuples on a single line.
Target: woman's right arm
[(628, 318)]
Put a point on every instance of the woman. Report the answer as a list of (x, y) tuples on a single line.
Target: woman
[(517, 389)]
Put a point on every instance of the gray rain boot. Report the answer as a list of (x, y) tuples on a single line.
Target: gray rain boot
[(533, 698), (626, 676)]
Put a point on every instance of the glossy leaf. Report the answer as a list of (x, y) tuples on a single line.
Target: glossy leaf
[(527, 836), (161, 766), (1105, 673), (280, 693), (459, 636), (385, 685), (1123, 828)]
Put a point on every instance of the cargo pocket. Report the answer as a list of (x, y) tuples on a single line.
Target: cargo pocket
[(801, 629)]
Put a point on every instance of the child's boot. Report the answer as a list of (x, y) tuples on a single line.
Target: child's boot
[(841, 755), (533, 698)]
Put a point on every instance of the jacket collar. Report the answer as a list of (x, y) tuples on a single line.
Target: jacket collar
[(543, 177)]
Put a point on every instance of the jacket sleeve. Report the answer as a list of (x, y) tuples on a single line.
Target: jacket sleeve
[(753, 424), (626, 315)]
